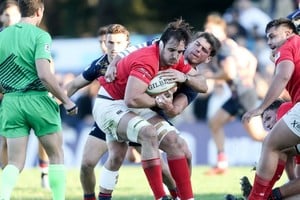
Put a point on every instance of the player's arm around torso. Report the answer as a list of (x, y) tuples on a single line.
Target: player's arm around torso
[(196, 81)]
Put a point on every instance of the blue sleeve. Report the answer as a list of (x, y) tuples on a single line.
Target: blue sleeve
[(188, 92), (96, 69)]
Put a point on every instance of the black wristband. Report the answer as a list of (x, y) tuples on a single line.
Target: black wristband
[(71, 109)]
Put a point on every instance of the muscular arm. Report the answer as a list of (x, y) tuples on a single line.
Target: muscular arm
[(50, 82), (196, 81), (193, 79), (283, 73), (76, 84), (180, 102), (136, 96)]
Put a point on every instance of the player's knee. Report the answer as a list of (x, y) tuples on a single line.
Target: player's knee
[(213, 125), (116, 161), (171, 139), (148, 134), (87, 165)]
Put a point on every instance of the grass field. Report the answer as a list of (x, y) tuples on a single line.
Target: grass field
[(133, 186)]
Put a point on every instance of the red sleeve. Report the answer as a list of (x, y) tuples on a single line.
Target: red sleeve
[(284, 53), (283, 108), (183, 66), (143, 73)]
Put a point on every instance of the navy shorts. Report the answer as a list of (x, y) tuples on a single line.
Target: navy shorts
[(238, 105)]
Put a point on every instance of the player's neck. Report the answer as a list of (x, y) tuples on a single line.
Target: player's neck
[(30, 20)]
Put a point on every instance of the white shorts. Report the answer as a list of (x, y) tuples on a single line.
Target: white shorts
[(292, 119), (108, 113)]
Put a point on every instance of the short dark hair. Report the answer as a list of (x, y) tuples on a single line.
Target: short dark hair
[(211, 39), (281, 22), (29, 7), (6, 4), (102, 30), (179, 30)]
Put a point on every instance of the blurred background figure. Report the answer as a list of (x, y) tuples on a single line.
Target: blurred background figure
[(102, 38), (9, 13), (236, 67)]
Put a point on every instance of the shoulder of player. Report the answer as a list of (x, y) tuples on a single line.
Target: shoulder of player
[(102, 61)]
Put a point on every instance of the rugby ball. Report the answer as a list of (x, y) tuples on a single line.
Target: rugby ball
[(159, 85)]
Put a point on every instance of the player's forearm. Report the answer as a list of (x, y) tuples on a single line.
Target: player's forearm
[(180, 102), (197, 82), (141, 101), (52, 86), (71, 89), (277, 86)]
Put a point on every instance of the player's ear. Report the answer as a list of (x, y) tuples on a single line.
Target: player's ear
[(208, 59), (161, 45)]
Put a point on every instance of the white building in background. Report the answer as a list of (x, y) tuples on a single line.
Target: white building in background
[(75, 54)]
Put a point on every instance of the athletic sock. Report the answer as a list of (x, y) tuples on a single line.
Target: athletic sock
[(9, 179), (104, 196), (89, 196), (279, 170), (174, 193), (222, 162), (297, 159), (153, 172), (57, 181), (180, 172), (43, 164), (259, 188)]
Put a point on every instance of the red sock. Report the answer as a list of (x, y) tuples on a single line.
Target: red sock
[(43, 163), (180, 172), (297, 159), (152, 169), (89, 196), (259, 188), (173, 193), (104, 196), (276, 177)]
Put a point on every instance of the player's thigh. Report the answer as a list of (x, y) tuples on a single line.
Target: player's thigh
[(107, 114), (274, 139), (93, 150)]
